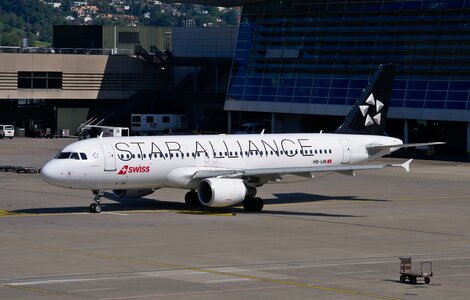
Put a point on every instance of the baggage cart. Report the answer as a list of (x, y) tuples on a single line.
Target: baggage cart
[(407, 273)]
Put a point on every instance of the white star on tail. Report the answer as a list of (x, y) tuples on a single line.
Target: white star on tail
[(365, 108)]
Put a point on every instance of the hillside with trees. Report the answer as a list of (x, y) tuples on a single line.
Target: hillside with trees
[(34, 19)]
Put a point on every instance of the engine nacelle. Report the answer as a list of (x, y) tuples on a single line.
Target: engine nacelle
[(135, 193), (220, 192)]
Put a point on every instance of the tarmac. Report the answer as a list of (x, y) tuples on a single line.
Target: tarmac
[(333, 237)]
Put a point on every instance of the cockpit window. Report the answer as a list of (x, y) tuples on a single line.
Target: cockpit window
[(71, 155), (63, 155)]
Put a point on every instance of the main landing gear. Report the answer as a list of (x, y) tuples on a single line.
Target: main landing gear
[(253, 204), (191, 198), (95, 207)]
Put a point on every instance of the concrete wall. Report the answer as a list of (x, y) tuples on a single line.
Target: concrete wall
[(84, 76)]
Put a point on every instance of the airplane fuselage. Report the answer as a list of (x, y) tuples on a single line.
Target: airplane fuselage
[(115, 163)]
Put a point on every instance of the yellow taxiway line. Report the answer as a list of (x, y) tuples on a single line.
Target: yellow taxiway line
[(36, 290)]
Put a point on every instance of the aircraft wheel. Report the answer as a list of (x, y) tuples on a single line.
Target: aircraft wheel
[(95, 208), (253, 204), (402, 278), (427, 280), (412, 280), (191, 198), (258, 204)]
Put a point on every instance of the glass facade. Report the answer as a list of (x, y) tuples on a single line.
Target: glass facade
[(324, 51)]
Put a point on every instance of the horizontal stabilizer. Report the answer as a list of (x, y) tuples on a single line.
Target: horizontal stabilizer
[(398, 146), (405, 165)]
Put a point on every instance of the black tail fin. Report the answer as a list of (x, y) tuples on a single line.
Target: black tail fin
[(369, 114)]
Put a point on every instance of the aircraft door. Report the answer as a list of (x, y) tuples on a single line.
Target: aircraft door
[(346, 151), (109, 157)]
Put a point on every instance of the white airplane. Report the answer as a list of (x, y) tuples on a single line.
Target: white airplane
[(224, 170)]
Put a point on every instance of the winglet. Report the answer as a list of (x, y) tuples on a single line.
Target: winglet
[(405, 165)]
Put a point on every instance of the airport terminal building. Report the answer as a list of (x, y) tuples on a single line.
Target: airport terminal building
[(298, 65), (296, 58)]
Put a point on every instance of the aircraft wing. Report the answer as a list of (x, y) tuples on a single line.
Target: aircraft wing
[(302, 171)]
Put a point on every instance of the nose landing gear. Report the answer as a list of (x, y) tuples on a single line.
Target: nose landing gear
[(95, 207)]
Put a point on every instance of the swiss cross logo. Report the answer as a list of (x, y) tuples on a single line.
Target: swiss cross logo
[(123, 170), (139, 169)]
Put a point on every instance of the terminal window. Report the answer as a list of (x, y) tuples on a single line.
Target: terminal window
[(40, 80), (128, 37)]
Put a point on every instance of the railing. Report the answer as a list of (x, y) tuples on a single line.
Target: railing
[(84, 51)]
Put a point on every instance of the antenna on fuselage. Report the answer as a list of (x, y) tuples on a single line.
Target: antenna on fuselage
[(101, 135)]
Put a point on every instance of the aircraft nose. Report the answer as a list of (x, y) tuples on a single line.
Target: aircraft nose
[(50, 173)]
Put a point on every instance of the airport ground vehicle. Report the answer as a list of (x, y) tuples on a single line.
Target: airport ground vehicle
[(91, 131), (407, 273), (7, 131), (151, 124)]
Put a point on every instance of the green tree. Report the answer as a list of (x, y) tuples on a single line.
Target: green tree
[(230, 17)]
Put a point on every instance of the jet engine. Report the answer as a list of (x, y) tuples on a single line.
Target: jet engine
[(220, 192), (135, 193)]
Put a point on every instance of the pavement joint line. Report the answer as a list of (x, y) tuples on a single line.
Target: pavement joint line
[(42, 291), (208, 271), (367, 226), (204, 212), (6, 213), (431, 198)]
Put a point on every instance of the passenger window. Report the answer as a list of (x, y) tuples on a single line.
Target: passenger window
[(320, 151)]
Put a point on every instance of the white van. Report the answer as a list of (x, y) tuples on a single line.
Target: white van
[(7, 131)]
